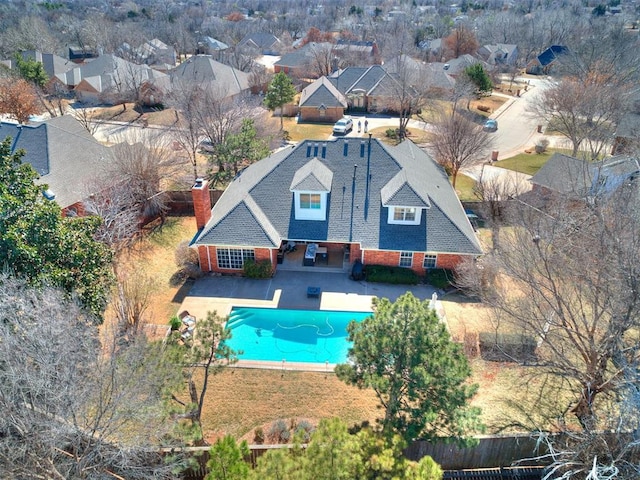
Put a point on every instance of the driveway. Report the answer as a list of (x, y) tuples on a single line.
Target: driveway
[(378, 121), (288, 290)]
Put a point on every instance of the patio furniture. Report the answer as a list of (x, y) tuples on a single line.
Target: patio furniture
[(310, 255), (313, 292)]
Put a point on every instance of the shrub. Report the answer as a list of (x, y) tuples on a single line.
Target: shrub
[(507, 347), (187, 260), (440, 277), (261, 269), (541, 145), (484, 108), (391, 133), (304, 430), (395, 275), (258, 436), (279, 432), (175, 323)]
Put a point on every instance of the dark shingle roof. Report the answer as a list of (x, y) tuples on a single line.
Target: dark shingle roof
[(444, 227), (551, 53), (322, 93), (564, 174), (63, 152)]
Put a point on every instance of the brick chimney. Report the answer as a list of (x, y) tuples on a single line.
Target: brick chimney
[(201, 202)]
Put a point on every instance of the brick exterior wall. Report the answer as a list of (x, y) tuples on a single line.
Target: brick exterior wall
[(209, 259), (392, 259), (201, 203), (449, 260), (312, 114)]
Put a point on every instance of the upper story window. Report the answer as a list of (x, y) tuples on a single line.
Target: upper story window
[(310, 205), (312, 201), (404, 215)]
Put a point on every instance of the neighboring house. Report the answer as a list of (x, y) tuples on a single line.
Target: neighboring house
[(542, 64), (366, 88), (499, 54), (377, 203), (52, 64), (627, 136), (211, 46), (262, 43), (65, 155), (456, 66), (203, 69), (156, 52), (109, 79), (432, 48), (578, 179), (370, 89), (301, 62), (80, 54), (357, 53), (322, 102)]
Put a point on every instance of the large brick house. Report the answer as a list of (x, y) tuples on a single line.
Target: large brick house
[(380, 204)]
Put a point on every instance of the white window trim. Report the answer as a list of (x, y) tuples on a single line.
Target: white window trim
[(244, 254), (433, 256), (392, 221), (310, 213), (407, 255)]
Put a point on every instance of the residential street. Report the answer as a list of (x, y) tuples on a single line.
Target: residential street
[(517, 129)]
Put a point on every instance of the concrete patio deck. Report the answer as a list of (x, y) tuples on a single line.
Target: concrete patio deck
[(288, 290)]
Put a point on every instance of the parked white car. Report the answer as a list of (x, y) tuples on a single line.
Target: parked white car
[(344, 125)]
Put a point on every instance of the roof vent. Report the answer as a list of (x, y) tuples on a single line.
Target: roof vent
[(199, 182)]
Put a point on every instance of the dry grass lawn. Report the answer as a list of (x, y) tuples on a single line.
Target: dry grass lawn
[(119, 113), (303, 131), (240, 400), (154, 257)]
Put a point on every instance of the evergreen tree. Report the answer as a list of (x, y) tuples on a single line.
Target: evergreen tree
[(418, 373), (31, 70), (479, 77), (280, 92), (39, 244)]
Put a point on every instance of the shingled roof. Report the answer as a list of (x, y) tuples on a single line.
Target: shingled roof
[(322, 93), (257, 209), (63, 152)]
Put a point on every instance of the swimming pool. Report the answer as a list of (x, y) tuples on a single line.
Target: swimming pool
[(311, 336)]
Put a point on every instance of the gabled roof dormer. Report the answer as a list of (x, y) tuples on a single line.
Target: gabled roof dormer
[(403, 202), (311, 185)]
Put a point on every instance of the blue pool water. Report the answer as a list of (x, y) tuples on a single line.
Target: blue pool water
[(312, 336)]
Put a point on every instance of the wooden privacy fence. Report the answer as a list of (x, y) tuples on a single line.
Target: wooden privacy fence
[(491, 459), (491, 451), (180, 202), (502, 473)]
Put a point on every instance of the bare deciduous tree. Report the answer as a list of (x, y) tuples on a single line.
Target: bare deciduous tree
[(568, 277), (74, 408), (459, 143), (584, 110), (130, 191)]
